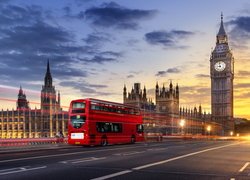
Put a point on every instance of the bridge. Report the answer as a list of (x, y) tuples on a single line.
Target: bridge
[(172, 158)]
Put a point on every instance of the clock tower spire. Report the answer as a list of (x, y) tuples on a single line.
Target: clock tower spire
[(221, 37), (222, 75)]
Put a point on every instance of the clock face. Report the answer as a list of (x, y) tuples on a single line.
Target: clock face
[(219, 66)]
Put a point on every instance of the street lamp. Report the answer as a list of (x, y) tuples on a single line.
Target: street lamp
[(231, 133), (208, 129), (182, 124)]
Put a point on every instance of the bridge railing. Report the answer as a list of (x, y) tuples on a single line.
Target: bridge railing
[(31, 141)]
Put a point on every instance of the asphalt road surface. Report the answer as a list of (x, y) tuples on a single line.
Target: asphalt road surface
[(164, 160)]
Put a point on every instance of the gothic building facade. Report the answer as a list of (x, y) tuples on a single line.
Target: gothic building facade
[(164, 116), (222, 76), (137, 97), (22, 102), (167, 100), (24, 122)]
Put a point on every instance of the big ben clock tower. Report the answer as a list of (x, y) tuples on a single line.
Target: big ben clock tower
[(222, 75)]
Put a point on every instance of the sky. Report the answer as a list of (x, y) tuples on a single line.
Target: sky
[(95, 47)]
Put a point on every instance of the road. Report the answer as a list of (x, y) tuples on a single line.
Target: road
[(164, 160)]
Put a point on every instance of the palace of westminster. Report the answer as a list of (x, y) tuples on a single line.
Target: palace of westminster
[(162, 117)]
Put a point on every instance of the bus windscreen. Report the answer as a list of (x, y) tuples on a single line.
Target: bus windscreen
[(77, 121)]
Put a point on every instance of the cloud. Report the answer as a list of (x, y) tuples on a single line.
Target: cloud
[(69, 15), (16, 15), (168, 71), (28, 39), (243, 73), (167, 39), (133, 74), (202, 76), (102, 57), (191, 95), (37, 37), (115, 16), (97, 39), (240, 31), (243, 96), (242, 85), (130, 76), (241, 23), (86, 88)]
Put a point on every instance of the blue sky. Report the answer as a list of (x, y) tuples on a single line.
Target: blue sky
[(95, 47)]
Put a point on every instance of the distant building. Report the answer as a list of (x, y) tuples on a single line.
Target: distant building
[(137, 97), (22, 102), (24, 122), (164, 116), (167, 100)]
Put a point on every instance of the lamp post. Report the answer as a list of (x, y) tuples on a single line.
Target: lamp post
[(182, 124), (208, 129)]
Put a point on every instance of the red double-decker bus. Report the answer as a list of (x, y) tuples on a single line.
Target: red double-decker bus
[(98, 122)]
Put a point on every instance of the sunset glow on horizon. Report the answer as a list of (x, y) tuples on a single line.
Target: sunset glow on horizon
[(97, 47)]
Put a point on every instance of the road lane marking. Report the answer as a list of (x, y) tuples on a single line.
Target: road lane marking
[(129, 153), (244, 167), (10, 169), (73, 161), (86, 160), (20, 169), (156, 149), (161, 162), (68, 154), (132, 153), (112, 175), (180, 157)]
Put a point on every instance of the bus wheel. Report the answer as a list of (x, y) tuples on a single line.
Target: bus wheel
[(104, 141), (132, 139)]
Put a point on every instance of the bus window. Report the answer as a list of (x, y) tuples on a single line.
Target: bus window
[(78, 107), (77, 121), (117, 127), (139, 128), (108, 127)]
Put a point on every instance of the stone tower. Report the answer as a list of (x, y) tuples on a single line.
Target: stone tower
[(137, 97), (49, 102), (222, 75), (22, 102), (167, 101)]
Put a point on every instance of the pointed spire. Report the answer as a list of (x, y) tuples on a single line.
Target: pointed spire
[(124, 88), (171, 86), (144, 93), (163, 88), (20, 91), (48, 68), (48, 77), (222, 31), (59, 98), (157, 86)]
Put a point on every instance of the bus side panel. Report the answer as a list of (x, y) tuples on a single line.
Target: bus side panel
[(112, 137)]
